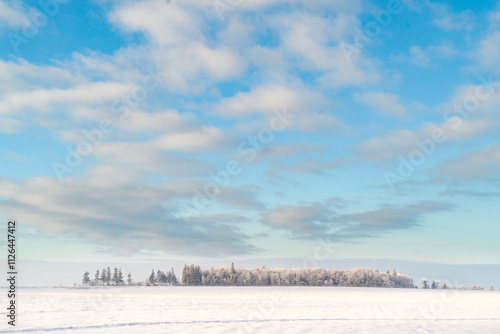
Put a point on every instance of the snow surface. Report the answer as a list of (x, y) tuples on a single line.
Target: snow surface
[(254, 310)]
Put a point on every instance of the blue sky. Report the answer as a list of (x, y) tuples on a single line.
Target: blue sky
[(370, 124)]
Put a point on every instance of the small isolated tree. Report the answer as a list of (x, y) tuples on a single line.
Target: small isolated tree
[(425, 285), (492, 288), (445, 287), (86, 278), (435, 285)]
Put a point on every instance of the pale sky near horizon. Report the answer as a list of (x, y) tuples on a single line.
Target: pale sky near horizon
[(189, 130)]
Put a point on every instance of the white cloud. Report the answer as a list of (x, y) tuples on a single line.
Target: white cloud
[(301, 219), (313, 44), (263, 100), (488, 52), (45, 99), (479, 165), (205, 139), (418, 57), (305, 106), (178, 44), (113, 212), (446, 19), (13, 14), (385, 103)]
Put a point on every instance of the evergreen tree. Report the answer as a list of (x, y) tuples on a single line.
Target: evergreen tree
[(185, 275), (103, 276), (108, 276), (86, 278), (115, 276), (120, 277), (173, 280), (96, 277), (152, 278), (129, 279)]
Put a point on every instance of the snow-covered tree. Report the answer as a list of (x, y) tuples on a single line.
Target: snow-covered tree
[(292, 277)]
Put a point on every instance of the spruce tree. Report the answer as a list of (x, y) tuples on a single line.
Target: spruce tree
[(152, 278), (103, 276), (108, 276), (129, 279), (120, 277), (115, 276), (86, 278), (96, 277)]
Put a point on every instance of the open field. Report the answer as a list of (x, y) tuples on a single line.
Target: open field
[(255, 310)]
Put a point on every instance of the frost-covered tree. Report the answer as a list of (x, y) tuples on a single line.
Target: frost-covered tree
[(194, 275)]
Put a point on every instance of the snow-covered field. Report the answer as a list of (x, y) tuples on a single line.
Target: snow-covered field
[(147, 310)]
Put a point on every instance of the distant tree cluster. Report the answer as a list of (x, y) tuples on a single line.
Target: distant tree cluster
[(360, 277), (436, 285), (162, 278), (105, 277)]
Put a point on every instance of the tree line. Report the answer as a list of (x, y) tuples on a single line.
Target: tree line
[(105, 277), (115, 278), (437, 285), (359, 277)]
